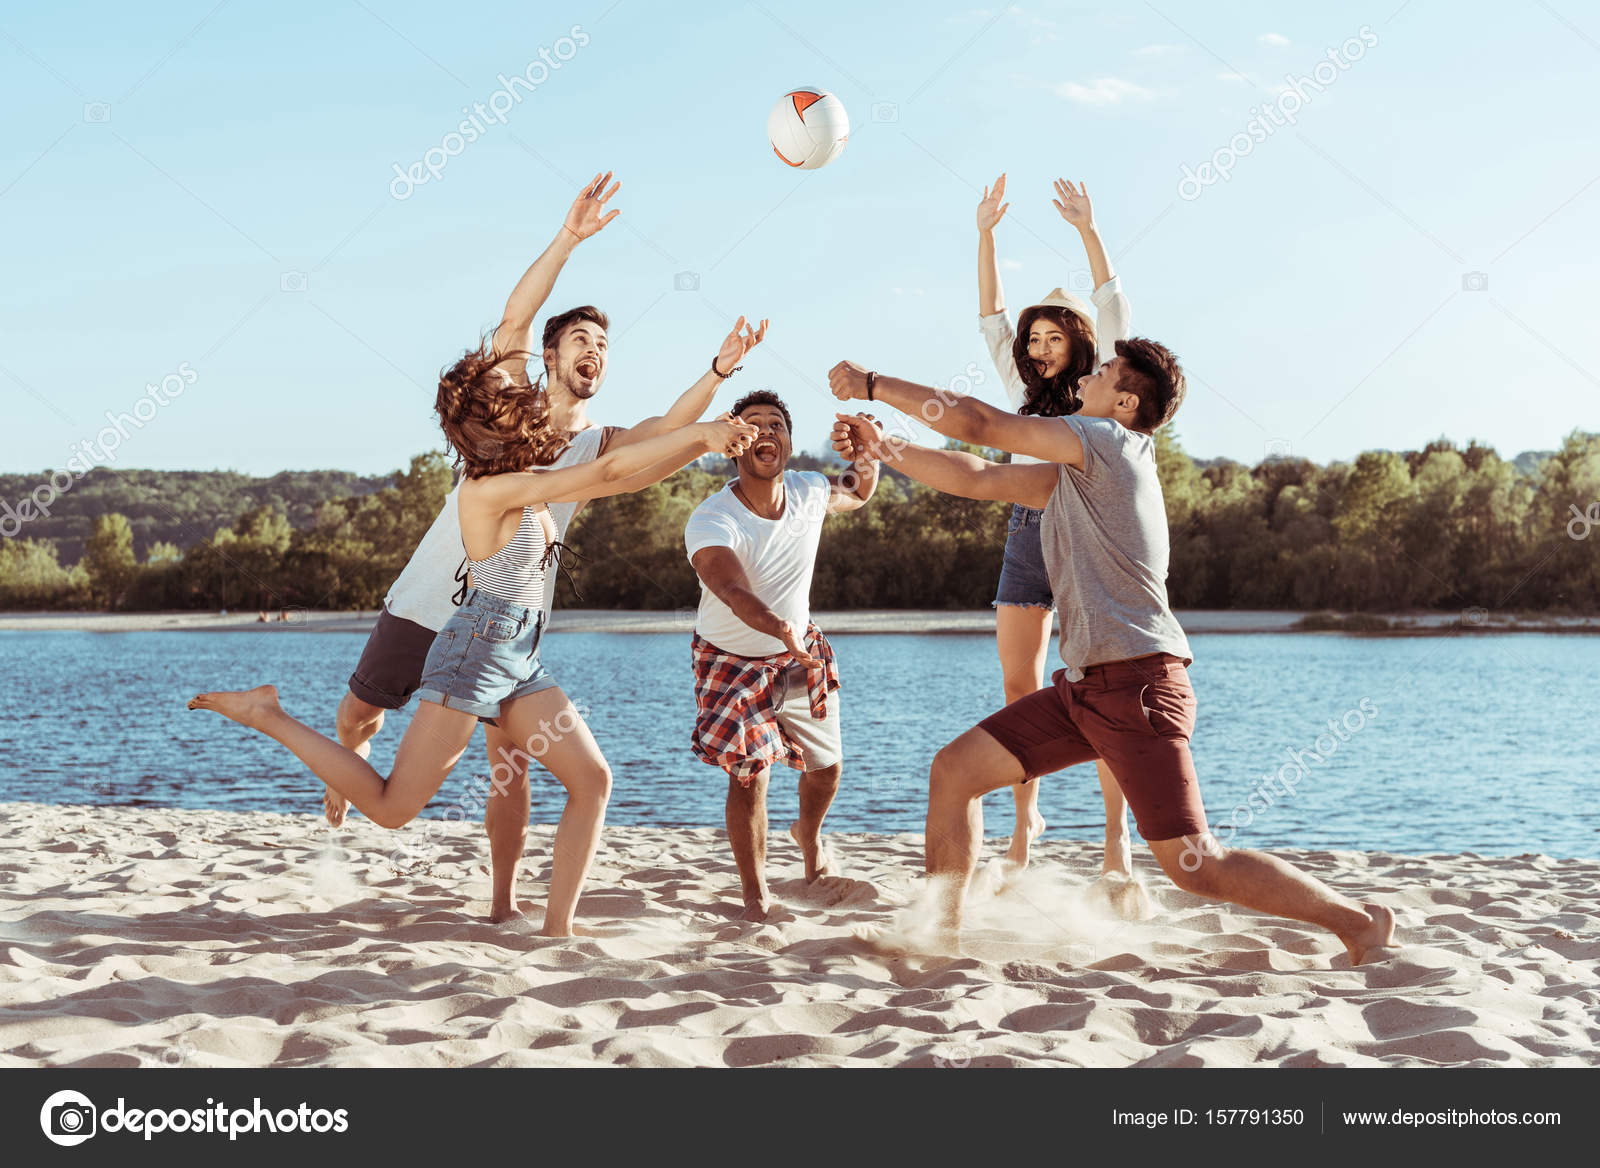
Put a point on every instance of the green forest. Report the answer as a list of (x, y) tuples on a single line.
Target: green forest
[(1445, 527)]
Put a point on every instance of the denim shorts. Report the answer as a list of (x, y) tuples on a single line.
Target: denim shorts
[(486, 654), (1023, 580)]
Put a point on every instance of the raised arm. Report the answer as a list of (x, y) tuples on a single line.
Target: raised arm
[(962, 417), (954, 472), (609, 474), (719, 569), (697, 399), (586, 216), (1073, 203), (991, 297), (855, 487)]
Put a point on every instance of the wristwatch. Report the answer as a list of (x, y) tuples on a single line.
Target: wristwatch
[(872, 381)]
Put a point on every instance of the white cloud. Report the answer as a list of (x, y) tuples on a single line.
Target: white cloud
[(1011, 265), (1273, 38), (1102, 91), (1157, 50), (1231, 77)]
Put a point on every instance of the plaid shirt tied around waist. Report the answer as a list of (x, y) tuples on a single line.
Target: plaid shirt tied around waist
[(736, 726)]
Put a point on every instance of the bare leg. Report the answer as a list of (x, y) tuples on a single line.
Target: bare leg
[(817, 789), (962, 774), (432, 746), (1256, 880), (505, 819), (358, 722), (549, 728), (1023, 637), (746, 816)]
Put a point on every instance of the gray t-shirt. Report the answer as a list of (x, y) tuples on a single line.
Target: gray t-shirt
[(1105, 548)]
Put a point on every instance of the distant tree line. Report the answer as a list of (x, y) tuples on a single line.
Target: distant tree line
[(1443, 527)]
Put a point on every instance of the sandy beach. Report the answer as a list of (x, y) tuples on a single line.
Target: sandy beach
[(920, 621), (158, 937)]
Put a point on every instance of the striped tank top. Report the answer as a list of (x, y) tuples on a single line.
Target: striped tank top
[(516, 572)]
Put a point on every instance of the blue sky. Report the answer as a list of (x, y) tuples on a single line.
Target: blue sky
[(207, 186)]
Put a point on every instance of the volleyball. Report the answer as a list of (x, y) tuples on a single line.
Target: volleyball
[(808, 128)]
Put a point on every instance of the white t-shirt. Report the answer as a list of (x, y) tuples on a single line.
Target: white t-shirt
[(425, 590), (1112, 317), (778, 555)]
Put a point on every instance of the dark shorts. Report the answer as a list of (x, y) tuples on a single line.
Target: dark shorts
[(1023, 580), (1137, 715), (390, 669)]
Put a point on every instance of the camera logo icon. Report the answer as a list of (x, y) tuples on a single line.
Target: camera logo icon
[(96, 111), (1080, 281), (1278, 448), (292, 282), (1475, 616), (686, 282), (885, 111), (295, 614), (1475, 282), (68, 1118), (955, 1055)]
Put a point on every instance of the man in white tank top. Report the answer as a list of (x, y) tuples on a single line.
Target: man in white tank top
[(429, 588)]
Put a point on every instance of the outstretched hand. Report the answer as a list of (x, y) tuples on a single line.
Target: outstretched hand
[(737, 343), (848, 380), (730, 435), (794, 641), (858, 438), (587, 214), (1073, 203), (991, 209)]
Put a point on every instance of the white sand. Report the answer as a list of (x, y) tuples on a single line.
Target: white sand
[(165, 938)]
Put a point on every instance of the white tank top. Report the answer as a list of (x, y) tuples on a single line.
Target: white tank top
[(425, 591), (516, 572)]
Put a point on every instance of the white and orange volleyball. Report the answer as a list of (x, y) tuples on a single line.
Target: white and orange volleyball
[(808, 128)]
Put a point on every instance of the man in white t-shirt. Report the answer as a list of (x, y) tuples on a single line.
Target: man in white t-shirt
[(765, 680), (433, 582)]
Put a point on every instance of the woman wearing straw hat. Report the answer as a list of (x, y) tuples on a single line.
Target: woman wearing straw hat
[(1054, 345)]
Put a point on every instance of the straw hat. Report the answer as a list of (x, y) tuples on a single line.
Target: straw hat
[(1061, 298)]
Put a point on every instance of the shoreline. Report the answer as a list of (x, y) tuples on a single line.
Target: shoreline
[(886, 621), (159, 937)]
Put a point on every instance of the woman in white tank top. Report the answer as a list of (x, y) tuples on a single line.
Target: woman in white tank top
[(490, 646)]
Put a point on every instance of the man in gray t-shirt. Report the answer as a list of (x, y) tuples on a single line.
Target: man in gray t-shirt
[(1124, 694)]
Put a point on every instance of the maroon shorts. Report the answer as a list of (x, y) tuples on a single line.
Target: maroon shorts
[(1137, 715)]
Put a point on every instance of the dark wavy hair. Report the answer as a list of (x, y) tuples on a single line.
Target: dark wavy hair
[(1058, 395), (493, 424)]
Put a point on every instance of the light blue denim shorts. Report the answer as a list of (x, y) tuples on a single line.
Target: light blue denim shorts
[(1023, 580), (486, 654)]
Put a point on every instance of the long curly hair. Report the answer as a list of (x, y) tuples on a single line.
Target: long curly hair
[(1058, 395), (492, 417)]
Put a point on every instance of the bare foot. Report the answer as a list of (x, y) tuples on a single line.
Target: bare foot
[(756, 910), (248, 707), (334, 806), (819, 861), (1378, 935), (1021, 840), (1124, 895), (572, 931), (1119, 857), (499, 914)]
